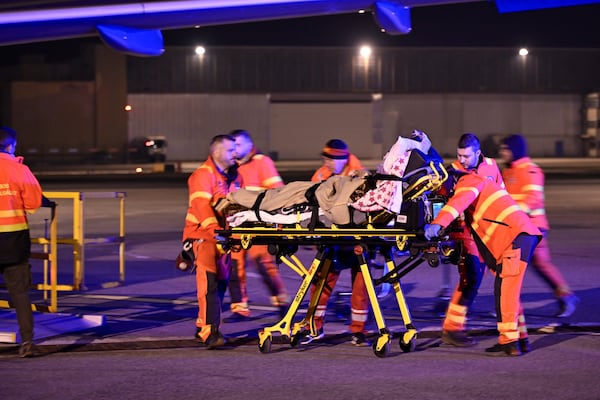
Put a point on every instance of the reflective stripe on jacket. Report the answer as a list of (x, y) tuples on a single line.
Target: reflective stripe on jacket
[(525, 182), (323, 172), (489, 210), (487, 168), (206, 186), (259, 172), (20, 193)]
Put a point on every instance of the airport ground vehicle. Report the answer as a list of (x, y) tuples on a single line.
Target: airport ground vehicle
[(147, 149)]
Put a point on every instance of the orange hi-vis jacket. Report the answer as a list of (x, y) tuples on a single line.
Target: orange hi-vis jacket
[(487, 168), (206, 186), (258, 172), (525, 182), (490, 212), (323, 172), (20, 193)]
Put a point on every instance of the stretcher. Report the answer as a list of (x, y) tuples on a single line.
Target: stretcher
[(379, 231)]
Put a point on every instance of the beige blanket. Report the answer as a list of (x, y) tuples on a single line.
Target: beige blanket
[(333, 196)]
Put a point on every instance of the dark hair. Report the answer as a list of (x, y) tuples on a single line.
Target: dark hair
[(517, 145), (469, 140), (8, 136), (240, 133), (218, 139)]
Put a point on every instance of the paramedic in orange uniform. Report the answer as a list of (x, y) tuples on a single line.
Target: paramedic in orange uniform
[(505, 238), (20, 194), (337, 160), (209, 183), (258, 173), (471, 269), (525, 183)]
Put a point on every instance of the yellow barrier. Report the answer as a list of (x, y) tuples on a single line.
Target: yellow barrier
[(50, 262), (78, 241), (50, 241)]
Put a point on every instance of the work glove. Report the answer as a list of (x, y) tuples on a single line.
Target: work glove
[(46, 202), (185, 259), (212, 236), (432, 231)]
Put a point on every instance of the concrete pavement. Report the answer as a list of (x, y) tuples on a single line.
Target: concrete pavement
[(155, 307)]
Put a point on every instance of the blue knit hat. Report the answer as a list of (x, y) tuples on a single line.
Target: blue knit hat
[(336, 149), (517, 144)]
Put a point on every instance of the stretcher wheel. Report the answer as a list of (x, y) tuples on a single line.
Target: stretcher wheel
[(409, 346), (385, 349), (265, 347), (432, 259)]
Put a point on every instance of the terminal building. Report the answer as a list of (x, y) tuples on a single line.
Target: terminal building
[(89, 105)]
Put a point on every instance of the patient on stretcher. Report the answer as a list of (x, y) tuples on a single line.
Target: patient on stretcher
[(410, 169)]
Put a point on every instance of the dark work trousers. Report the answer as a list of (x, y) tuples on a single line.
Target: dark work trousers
[(471, 271), (213, 299), (470, 282), (18, 281), (234, 284)]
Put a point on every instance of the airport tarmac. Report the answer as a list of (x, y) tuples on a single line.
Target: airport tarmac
[(156, 302), (135, 338)]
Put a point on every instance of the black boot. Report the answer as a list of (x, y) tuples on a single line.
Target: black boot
[(216, 338), (458, 339), (506, 350)]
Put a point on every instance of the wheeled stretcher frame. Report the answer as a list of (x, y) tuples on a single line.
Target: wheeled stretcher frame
[(426, 176), (284, 242)]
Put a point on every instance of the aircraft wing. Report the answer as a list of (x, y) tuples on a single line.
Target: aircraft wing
[(135, 27)]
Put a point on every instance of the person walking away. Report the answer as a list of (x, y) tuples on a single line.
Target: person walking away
[(505, 238), (338, 160), (258, 172), (206, 185), (20, 194), (525, 182)]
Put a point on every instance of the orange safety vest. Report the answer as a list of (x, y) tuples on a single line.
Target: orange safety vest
[(487, 168), (525, 182), (258, 172), (20, 193), (490, 212), (206, 186), (323, 172)]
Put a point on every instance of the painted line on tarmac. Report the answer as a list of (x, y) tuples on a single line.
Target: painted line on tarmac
[(165, 301), (136, 299)]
